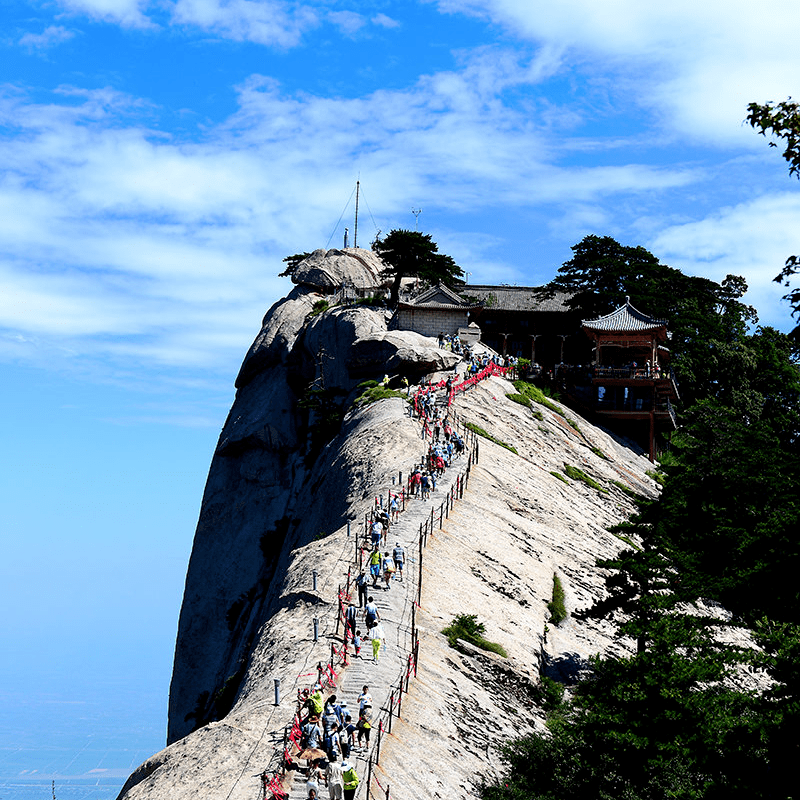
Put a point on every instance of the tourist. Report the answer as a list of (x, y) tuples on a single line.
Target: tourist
[(361, 585), (399, 555), (364, 725), (375, 566), (334, 778), (350, 621), (357, 644), (350, 780), (376, 636), (371, 615), (312, 733), (314, 776), (348, 739), (377, 533), (388, 569)]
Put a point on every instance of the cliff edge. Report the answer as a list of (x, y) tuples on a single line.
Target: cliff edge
[(296, 461)]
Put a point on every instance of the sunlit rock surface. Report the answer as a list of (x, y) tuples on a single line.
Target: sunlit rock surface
[(271, 514)]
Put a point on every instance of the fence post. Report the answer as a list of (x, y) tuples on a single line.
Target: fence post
[(399, 698), (441, 515), (378, 749), (419, 581), (391, 712)]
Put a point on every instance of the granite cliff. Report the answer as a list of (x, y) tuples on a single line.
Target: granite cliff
[(287, 476)]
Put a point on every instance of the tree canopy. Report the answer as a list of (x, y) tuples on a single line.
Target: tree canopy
[(292, 263), (410, 253), (678, 717), (782, 120), (704, 317)]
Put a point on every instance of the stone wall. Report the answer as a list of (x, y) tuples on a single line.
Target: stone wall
[(431, 322)]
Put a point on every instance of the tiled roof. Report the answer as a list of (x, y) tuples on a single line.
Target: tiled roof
[(439, 298), (625, 318), (516, 298)]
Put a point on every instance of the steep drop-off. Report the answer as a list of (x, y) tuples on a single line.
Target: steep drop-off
[(274, 509)]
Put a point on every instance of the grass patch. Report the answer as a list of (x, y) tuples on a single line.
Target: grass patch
[(319, 307), (467, 627), (574, 425), (623, 538), (556, 607), (538, 414), (372, 394), (627, 490), (486, 435), (549, 694), (535, 394), (370, 300), (522, 399), (599, 453), (658, 477), (579, 475), (559, 476)]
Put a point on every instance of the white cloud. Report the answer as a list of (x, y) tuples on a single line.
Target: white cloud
[(268, 22), (51, 36), (752, 239), (128, 13), (121, 242), (347, 21), (697, 64), (382, 21)]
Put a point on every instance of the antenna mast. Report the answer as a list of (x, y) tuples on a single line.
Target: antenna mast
[(355, 229)]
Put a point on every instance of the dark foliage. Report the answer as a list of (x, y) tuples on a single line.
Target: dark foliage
[(410, 253)]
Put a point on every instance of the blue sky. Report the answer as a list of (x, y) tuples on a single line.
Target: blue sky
[(158, 161)]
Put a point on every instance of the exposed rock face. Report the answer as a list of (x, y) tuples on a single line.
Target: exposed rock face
[(254, 504), (327, 270), (248, 600)]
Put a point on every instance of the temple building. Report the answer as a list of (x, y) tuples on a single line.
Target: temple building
[(631, 379), (524, 322), (437, 310)]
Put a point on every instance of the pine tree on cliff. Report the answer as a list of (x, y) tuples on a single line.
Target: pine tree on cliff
[(410, 253)]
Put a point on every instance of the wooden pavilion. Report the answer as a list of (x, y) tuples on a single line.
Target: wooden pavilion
[(631, 377)]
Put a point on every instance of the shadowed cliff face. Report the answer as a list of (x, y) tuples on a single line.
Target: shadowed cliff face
[(264, 461)]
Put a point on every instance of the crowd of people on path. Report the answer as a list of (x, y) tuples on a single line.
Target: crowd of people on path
[(329, 740), (329, 736)]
